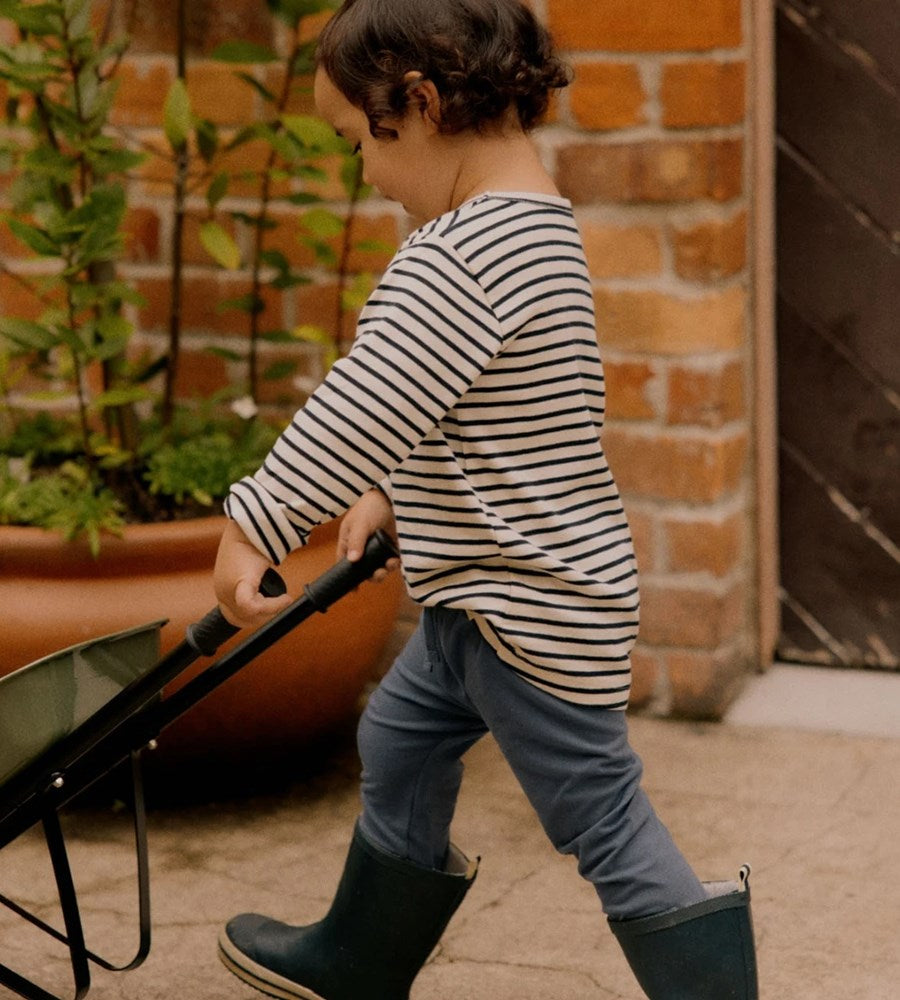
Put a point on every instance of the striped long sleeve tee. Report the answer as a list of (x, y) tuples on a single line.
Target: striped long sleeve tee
[(474, 391)]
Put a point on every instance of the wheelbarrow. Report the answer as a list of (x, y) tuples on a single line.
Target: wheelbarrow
[(72, 717)]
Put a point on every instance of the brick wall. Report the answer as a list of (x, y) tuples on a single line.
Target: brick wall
[(650, 143)]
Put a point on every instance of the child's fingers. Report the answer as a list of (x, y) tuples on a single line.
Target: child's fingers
[(251, 609), (353, 541)]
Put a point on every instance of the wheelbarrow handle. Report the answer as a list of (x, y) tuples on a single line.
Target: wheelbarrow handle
[(213, 629)]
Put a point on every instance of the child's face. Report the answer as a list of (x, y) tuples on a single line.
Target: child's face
[(409, 169)]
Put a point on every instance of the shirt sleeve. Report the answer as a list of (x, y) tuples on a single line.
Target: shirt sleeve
[(425, 335)]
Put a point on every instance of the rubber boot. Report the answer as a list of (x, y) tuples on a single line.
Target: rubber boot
[(699, 952), (385, 920)]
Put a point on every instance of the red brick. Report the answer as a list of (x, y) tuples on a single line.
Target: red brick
[(312, 25), (645, 671), (202, 296), (301, 100), (621, 251), (157, 173), (695, 94), (245, 165), (704, 544), (655, 171), (152, 26), (643, 533), (650, 322), (317, 305), (695, 618), (285, 238), (607, 96), (651, 26), (697, 468), (218, 95), (19, 298), (141, 231), (372, 229), (710, 250), (704, 684), (706, 398), (628, 388), (200, 374), (142, 93)]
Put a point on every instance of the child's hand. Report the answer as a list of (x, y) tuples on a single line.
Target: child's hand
[(239, 568), (371, 512)]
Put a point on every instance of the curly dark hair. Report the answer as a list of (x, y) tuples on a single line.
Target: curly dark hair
[(483, 56)]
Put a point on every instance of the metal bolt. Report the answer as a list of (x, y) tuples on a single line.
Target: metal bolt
[(58, 781), (152, 745)]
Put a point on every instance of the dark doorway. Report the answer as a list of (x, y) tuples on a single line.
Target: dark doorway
[(838, 285)]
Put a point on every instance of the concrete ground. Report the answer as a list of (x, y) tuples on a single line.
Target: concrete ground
[(810, 798)]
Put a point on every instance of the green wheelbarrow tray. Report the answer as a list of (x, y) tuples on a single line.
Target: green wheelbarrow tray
[(70, 718)]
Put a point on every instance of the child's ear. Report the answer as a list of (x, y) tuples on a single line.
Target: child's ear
[(423, 98)]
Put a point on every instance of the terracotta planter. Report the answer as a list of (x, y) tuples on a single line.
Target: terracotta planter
[(53, 595)]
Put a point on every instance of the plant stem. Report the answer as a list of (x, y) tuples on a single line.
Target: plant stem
[(259, 236), (177, 259), (346, 249), (80, 388)]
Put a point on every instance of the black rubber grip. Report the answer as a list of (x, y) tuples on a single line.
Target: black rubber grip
[(345, 576), (214, 628), (206, 635)]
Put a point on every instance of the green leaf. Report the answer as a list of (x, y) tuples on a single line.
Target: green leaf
[(356, 296), (225, 353), (351, 178), (276, 259), (247, 134), (207, 139), (325, 254), (316, 335), (34, 238), (26, 334), (124, 396), (312, 334), (117, 161), (217, 189), (290, 279), (40, 19), (315, 174), (314, 133), (303, 198), (177, 115), (279, 370), (220, 245), (248, 303), (240, 51), (322, 223), (374, 246)]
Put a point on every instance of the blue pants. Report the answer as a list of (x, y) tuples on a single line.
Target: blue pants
[(444, 692)]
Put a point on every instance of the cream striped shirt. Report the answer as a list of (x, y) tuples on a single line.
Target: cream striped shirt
[(474, 392)]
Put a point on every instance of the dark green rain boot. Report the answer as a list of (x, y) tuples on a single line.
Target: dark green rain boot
[(700, 952), (386, 918)]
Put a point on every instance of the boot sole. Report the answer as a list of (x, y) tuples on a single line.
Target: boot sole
[(258, 976)]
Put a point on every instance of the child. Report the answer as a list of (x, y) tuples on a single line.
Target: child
[(469, 410)]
